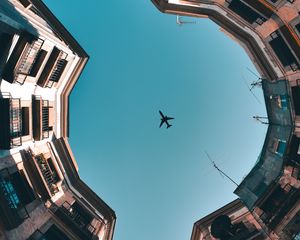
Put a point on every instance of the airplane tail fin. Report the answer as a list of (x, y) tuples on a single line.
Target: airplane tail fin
[(169, 125)]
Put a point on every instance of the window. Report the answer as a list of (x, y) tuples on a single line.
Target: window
[(296, 99), (281, 100), (281, 147), (245, 11), (25, 3), (53, 233), (282, 51), (278, 146), (25, 121), (16, 189)]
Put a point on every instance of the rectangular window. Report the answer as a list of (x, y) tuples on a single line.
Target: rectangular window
[(281, 147), (281, 100), (261, 8), (25, 121), (38, 63), (282, 51), (22, 187), (245, 11), (296, 99), (25, 3)]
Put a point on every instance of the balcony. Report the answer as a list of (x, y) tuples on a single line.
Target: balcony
[(15, 193), (53, 233), (10, 123), (42, 174), (23, 60), (76, 218), (53, 69), (49, 172), (42, 114)]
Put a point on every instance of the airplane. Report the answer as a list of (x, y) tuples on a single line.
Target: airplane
[(164, 119), (181, 22)]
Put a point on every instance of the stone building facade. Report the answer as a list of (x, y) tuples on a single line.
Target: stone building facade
[(41, 193), (269, 31), (233, 221)]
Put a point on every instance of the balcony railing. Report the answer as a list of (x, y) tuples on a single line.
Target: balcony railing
[(41, 118), (45, 119), (26, 61), (57, 70), (15, 122), (74, 220), (77, 217), (49, 176), (10, 122)]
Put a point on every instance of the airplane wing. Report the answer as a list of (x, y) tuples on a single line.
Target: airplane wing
[(161, 123), (169, 118), (161, 114)]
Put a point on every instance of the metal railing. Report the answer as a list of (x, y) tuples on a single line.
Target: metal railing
[(45, 119), (77, 218), (58, 69), (47, 173), (15, 122), (27, 61)]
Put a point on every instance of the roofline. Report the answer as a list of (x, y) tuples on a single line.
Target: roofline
[(68, 162), (247, 39), (59, 28), (65, 96), (227, 209)]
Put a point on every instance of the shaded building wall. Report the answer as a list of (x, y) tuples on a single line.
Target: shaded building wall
[(269, 33), (241, 218)]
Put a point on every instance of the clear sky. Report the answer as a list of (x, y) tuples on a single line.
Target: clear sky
[(159, 181)]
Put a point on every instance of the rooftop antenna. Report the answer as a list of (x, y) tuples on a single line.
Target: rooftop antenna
[(180, 22), (260, 119), (219, 170), (256, 83), (251, 88)]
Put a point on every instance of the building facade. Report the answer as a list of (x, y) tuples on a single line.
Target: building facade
[(41, 193), (269, 31), (233, 221)]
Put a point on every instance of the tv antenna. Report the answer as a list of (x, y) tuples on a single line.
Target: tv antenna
[(261, 119), (256, 83), (219, 170), (181, 22), (250, 88)]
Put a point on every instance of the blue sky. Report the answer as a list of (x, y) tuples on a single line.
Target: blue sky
[(159, 180)]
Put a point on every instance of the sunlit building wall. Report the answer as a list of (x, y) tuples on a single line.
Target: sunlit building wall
[(41, 193)]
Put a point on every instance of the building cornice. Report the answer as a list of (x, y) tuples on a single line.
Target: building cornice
[(236, 30), (79, 188)]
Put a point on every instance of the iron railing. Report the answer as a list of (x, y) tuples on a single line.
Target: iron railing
[(45, 119), (58, 69), (77, 218), (48, 175), (27, 61), (15, 122)]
